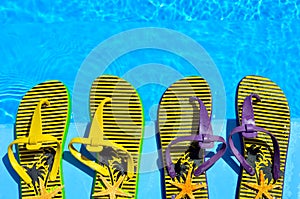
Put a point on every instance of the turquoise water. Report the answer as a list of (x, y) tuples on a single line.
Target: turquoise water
[(146, 10), (31, 53), (42, 40)]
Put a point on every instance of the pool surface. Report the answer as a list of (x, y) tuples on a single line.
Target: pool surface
[(151, 44)]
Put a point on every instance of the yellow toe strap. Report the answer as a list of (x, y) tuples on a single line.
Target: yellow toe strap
[(21, 171), (95, 143), (34, 141), (95, 166)]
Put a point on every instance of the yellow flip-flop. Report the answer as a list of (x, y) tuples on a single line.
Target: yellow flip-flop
[(185, 132), (41, 127), (115, 138), (264, 119)]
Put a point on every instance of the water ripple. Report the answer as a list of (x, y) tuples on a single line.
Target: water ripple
[(34, 53), (146, 10)]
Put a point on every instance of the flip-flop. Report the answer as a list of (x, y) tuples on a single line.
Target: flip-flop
[(40, 131), (185, 132), (114, 138), (264, 119)]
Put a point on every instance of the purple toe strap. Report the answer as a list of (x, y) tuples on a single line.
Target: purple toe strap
[(248, 129), (205, 138), (199, 138)]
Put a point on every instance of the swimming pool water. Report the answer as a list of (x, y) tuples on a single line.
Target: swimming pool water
[(42, 40), (37, 11), (31, 53)]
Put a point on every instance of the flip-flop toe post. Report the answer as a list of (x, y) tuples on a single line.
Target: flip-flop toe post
[(264, 119), (185, 133), (114, 138), (41, 126)]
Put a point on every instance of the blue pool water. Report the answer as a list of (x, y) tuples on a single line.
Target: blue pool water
[(42, 40), (31, 53), (146, 10)]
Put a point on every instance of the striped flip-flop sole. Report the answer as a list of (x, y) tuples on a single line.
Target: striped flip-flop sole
[(273, 114), (54, 122), (123, 124), (177, 117)]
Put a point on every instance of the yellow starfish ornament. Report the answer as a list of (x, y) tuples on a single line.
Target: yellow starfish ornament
[(187, 188), (44, 194), (112, 190), (262, 188)]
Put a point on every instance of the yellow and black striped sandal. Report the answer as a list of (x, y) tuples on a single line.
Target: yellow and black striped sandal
[(114, 138), (264, 118), (185, 133), (41, 127)]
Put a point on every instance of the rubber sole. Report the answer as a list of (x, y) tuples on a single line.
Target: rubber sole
[(177, 116), (273, 114), (55, 118), (123, 125)]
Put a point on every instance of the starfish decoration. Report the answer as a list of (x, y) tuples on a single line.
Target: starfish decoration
[(187, 188), (44, 194), (262, 188), (113, 190)]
